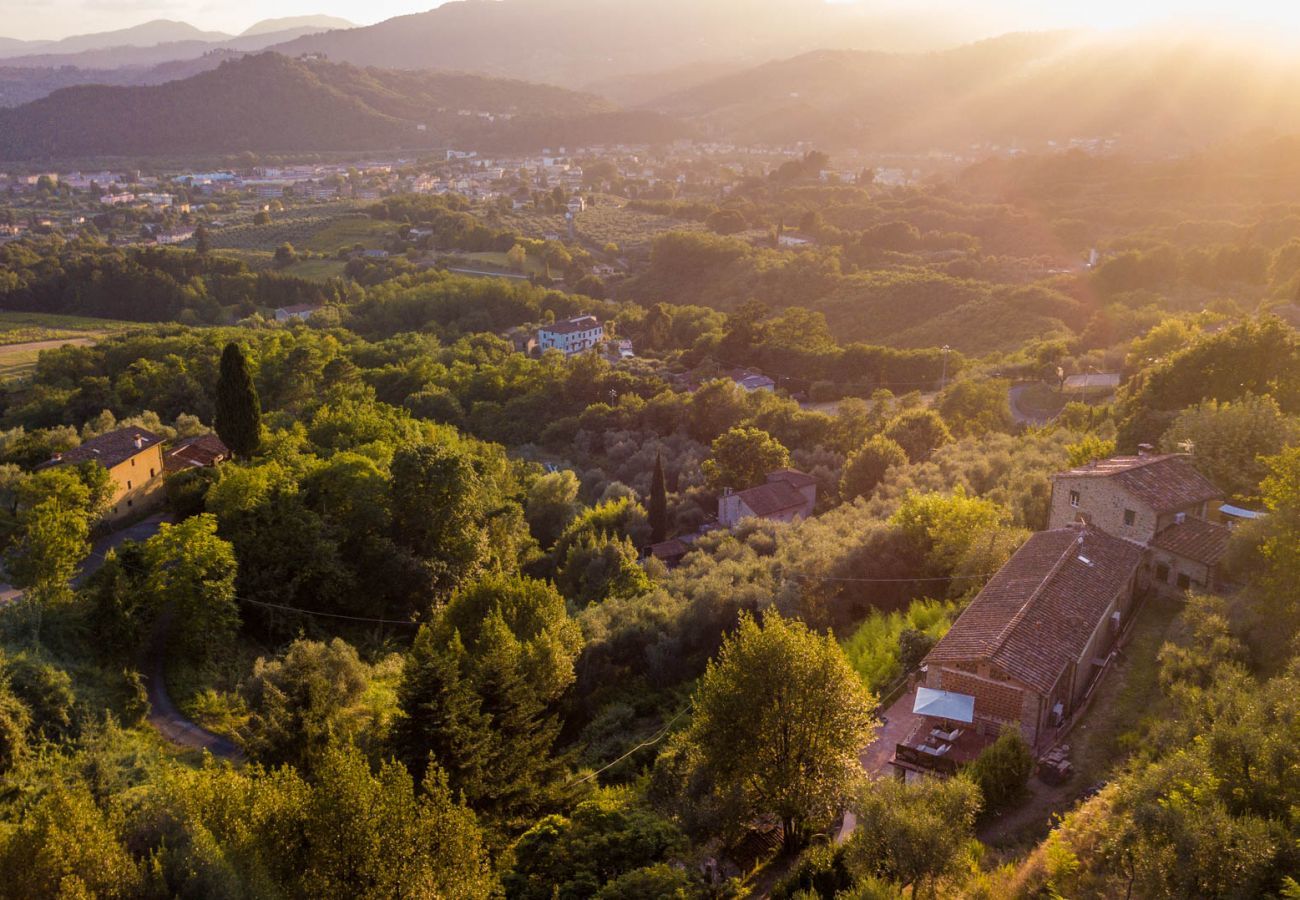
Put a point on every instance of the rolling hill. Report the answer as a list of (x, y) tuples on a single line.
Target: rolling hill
[(294, 23), (1020, 89), (269, 103), (579, 43)]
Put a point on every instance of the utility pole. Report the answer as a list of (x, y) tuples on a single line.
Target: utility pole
[(943, 380)]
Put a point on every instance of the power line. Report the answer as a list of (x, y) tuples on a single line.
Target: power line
[(294, 609), (641, 746), (314, 612)]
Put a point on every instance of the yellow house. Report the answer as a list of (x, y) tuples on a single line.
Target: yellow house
[(134, 460)]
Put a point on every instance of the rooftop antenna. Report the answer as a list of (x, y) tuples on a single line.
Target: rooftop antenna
[(1188, 447)]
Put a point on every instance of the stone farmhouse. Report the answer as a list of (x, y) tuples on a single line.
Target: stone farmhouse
[(1159, 501), (787, 495), (1032, 645)]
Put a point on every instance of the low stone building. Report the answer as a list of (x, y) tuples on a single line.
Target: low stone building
[(787, 495), (1031, 643), (1134, 497), (200, 452), (1186, 555), (1159, 501)]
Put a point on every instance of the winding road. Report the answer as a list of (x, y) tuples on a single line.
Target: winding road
[(163, 716)]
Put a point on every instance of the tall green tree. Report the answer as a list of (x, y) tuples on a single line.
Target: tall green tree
[(193, 571), (919, 432), (478, 691), (373, 835), (438, 513), (1230, 441), (742, 457), (238, 412), (912, 834), (303, 701), (551, 505), (779, 719), (658, 507), (56, 508), (603, 838), (1002, 771), (866, 467), (600, 566)]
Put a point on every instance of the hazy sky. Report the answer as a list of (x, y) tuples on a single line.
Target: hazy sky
[(58, 18)]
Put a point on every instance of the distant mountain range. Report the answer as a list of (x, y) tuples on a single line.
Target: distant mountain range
[(163, 31), (269, 103), (154, 43)]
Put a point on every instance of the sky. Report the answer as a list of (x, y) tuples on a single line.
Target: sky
[(45, 19)]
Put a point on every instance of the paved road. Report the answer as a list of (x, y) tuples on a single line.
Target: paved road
[(1022, 417), (486, 274)]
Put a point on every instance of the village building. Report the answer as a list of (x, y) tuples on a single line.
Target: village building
[(752, 381), (299, 311), (571, 336), (788, 494), (1026, 651), (669, 552), (1159, 501), (202, 452), (134, 460)]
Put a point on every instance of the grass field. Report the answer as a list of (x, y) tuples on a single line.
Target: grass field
[(24, 327), (348, 232), (632, 230), (322, 228), (24, 335), (316, 269), (494, 260)]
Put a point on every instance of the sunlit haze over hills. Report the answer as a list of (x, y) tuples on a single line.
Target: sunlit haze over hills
[(648, 449), (54, 19)]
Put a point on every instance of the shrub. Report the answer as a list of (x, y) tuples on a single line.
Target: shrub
[(1002, 771)]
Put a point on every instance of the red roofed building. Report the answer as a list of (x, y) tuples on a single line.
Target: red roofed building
[(134, 460), (200, 452), (1031, 643), (1158, 501), (787, 495)]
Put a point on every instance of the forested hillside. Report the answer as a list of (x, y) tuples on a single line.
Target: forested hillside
[(269, 103)]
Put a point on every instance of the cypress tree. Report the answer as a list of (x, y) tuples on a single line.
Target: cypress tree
[(658, 511), (239, 415)]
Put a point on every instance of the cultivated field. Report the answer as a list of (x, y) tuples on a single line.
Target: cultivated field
[(24, 335)]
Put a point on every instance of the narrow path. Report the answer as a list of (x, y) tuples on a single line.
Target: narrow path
[(165, 718)]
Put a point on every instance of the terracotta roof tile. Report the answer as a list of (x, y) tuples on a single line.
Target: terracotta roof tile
[(571, 326), (1194, 539), (1035, 616), (203, 450), (771, 498), (110, 449), (1167, 483)]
